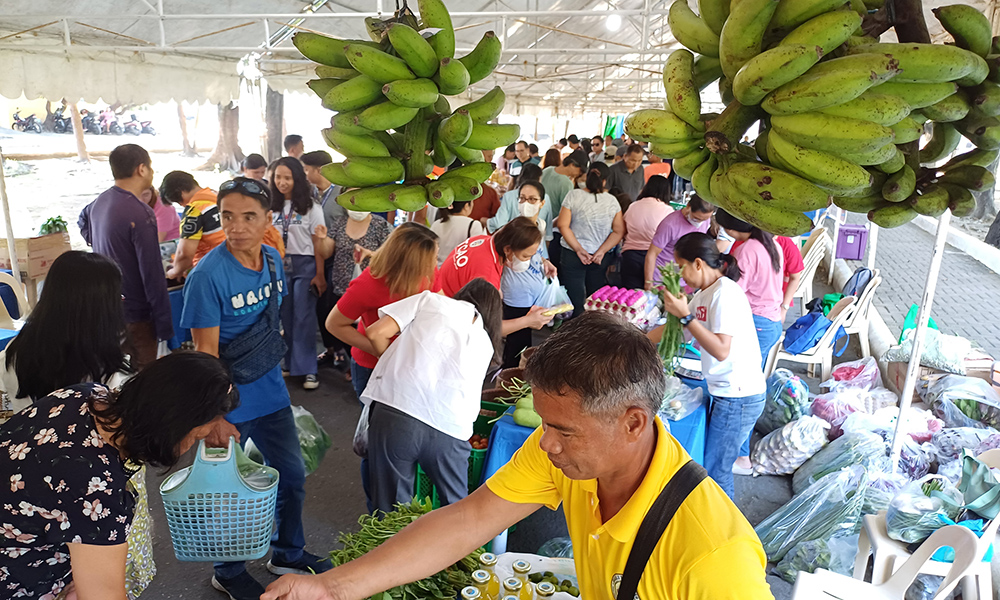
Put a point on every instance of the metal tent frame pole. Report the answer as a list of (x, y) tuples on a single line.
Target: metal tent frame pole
[(11, 245)]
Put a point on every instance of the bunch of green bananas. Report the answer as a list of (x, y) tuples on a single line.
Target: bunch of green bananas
[(393, 121), (841, 114)]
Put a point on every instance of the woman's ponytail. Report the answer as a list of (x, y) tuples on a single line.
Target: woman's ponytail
[(596, 177), (730, 266)]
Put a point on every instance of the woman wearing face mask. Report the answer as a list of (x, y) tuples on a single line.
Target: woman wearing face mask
[(511, 207), (454, 227), (591, 225), (300, 220), (354, 237), (695, 217)]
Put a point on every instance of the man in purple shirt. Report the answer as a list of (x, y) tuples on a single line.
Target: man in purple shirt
[(122, 227)]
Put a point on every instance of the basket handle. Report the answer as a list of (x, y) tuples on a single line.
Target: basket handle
[(203, 456)]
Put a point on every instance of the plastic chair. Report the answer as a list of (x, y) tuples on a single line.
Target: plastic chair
[(812, 259), (888, 553), (822, 352), (826, 585), (22, 301), (858, 323)]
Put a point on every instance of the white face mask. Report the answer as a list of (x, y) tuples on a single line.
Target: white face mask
[(519, 266), (694, 222), (527, 209), (357, 215)]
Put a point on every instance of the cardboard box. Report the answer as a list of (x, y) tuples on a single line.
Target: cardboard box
[(976, 365), (35, 255)]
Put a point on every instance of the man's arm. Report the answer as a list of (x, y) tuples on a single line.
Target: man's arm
[(154, 279), (431, 543), (183, 258), (206, 340)]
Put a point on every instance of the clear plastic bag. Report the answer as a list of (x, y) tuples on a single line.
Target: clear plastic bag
[(787, 400), (950, 442), (313, 439), (829, 506), (964, 401), (836, 555), (834, 407), (990, 443), (915, 459), (942, 352), (924, 587), (560, 547), (684, 402), (360, 445), (857, 448), (859, 374), (882, 487), (786, 449), (915, 513), (554, 295)]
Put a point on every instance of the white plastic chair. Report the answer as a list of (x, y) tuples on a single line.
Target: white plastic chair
[(813, 258), (858, 323), (822, 352), (22, 301), (888, 554), (826, 585)]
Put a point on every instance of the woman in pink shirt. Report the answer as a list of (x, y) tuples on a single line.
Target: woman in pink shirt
[(641, 220), (168, 222)]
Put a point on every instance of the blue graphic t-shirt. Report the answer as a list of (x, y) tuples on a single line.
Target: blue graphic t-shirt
[(220, 292)]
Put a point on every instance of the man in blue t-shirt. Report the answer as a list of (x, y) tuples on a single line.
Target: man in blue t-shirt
[(226, 293)]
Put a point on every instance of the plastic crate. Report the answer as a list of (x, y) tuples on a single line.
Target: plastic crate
[(422, 486)]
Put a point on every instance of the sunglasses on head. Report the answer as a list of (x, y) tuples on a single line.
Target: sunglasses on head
[(250, 187)]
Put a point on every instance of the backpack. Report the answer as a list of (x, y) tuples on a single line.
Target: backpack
[(856, 285), (808, 330)]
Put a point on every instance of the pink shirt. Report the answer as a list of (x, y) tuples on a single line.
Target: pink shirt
[(167, 221), (641, 220), (672, 228), (761, 284)]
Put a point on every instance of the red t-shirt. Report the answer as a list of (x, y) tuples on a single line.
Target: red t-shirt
[(487, 205), (475, 257), (793, 259), (364, 296)]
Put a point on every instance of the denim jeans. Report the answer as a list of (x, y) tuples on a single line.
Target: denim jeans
[(359, 379), (768, 334), (276, 437), (731, 421)]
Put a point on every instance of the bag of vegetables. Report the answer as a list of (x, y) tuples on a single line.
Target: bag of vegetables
[(834, 407), (964, 401), (835, 555), (857, 448), (787, 400), (784, 450), (950, 442), (915, 513)]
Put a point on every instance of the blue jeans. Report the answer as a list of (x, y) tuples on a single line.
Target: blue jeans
[(359, 379), (298, 317), (731, 421), (276, 437), (768, 334)]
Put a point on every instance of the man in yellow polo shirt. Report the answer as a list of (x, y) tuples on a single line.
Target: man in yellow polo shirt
[(604, 455)]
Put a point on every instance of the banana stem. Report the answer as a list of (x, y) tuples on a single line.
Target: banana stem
[(907, 17), (727, 130), (415, 146)]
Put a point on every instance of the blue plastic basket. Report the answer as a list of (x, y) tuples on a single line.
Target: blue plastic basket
[(213, 514)]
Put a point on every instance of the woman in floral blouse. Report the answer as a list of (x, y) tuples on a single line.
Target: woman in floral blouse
[(65, 509)]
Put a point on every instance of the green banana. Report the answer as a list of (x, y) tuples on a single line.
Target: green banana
[(858, 40), (884, 109), (772, 69), (479, 171), (702, 176), (714, 13), (961, 200), (373, 171), (860, 205), (409, 198), (334, 173), (655, 125), (674, 150), (442, 106), (893, 215), (455, 130), (981, 130), (351, 146), (726, 90), (323, 86), (907, 130), (831, 83), (344, 122), (377, 65), (970, 28), (324, 72), (390, 142), (411, 93), (414, 49), (952, 108), (465, 189), (484, 57), (926, 63), (488, 137), (353, 94), (452, 77), (434, 15), (979, 72), (417, 140), (825, 170), (932, 202), (325, 50), (685, 165), (385, 116), (743, 34), (995, 48), (760, 145), (443, 156), (793, 13), (691, 31), (488, 107), (900, 185), (981, 158), (440, 194), (828, 31), (943, 142), (993, 64), (707, 70), (758, 213), (468, 156), (971, 177), (678, 81), (875, 157), (893, 164), (917, 95), (368, 199), (986, 98), (828, 133), (918, 117), (776, 188)]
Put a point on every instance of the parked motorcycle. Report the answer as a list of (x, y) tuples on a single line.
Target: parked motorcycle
[(135, 126), (60, 123), (31, 123), (109, 123), (90, 122)]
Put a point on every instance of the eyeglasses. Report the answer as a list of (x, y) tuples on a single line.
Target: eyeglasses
[(530, 199), (245, 185)]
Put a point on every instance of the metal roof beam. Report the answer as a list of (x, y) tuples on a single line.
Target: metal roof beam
[(331, 15)]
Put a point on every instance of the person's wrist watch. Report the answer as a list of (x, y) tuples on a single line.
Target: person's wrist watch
[(786, 307), (685, 321)]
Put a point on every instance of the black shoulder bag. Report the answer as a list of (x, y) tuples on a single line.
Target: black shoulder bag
[(655, 523), (256, 351)]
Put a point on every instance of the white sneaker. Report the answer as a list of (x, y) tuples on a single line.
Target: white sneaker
[(738, 470), (311, 382)]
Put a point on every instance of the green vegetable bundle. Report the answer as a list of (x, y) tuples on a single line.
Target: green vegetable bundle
[(377, 528), (53, 225), (854, 448), (673, 333)]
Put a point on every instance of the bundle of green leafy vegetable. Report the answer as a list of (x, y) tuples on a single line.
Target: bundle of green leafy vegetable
[(377, 528), (53, 225), (673, 332)]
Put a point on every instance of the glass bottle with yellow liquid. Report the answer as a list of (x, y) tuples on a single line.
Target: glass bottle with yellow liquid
[(521, 570), (488, 563), (481, 581), (471, 593), (512, 586), (544, 590)]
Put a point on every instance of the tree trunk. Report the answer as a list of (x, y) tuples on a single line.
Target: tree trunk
[(49, 124), (227, 155), (188, 150), (81, 146), (274, 113)]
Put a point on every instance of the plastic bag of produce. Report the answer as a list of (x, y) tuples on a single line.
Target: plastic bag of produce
[(554, 296), (685, 402), (964, 401), (560, 547), (915, 459), (950, 442), (787, 400), (990, 443), (829, 506), (857, 448), (313, 439), (882, 487), (941, 352), (916, 511), (784, 450), (835, 555), (879, 398), (924, 587), (834, 407), (859, 374)]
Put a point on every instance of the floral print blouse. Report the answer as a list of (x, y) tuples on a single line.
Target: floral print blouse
[(60, 483)]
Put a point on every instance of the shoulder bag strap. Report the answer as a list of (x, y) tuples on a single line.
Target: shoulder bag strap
[(272, 307), (684, 481)]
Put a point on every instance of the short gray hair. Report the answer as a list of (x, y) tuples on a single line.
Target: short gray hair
[(604, 359)]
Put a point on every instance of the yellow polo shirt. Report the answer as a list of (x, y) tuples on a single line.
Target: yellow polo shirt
[(708, 552)]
